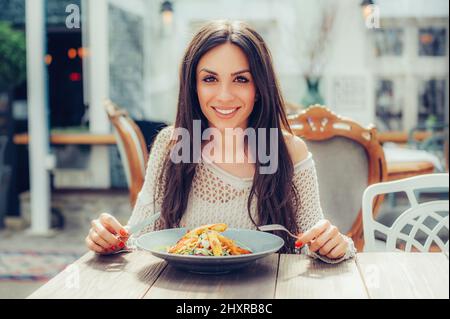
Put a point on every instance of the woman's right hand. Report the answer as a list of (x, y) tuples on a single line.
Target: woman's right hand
[(106, 235)]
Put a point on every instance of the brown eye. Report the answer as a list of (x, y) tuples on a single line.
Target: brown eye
[(241, 79), (209, 79)]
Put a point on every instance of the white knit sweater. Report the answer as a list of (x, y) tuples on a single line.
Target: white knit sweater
[(219, 197)]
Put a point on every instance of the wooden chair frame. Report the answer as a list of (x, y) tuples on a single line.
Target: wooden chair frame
[(136, 171), (318, 123)]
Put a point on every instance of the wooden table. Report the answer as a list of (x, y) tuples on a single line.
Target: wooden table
[(401, 136), (141, 275), (89, 138), (71, 138), (403, 162), (398, 171)]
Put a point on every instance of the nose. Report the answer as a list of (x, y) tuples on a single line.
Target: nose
[(225, 94)]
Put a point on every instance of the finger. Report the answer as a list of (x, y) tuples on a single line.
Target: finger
[(98, 240), (339, 251), (321, 240), (329, 246), (93, 246), (314, 232), (113, 225), (124, 239), (112, 240), (126, 232)]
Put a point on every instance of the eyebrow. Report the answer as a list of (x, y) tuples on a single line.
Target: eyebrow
[(232, 74)]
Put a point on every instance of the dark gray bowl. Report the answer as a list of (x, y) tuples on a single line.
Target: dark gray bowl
[(260, 243)]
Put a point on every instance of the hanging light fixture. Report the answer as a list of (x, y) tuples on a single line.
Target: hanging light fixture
[(167, 12), (366, 6), (371, 14)]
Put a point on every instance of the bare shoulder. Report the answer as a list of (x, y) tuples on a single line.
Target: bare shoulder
[(296, 146)]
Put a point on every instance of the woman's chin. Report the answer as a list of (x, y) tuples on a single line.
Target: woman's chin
[(222, 126)]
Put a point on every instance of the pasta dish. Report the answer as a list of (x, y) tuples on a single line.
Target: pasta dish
[(206, 240)]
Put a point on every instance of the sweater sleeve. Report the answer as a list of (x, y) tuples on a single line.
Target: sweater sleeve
[(147, 202), (309, 211)]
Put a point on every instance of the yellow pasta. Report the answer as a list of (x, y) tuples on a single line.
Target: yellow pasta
[(206, 240)]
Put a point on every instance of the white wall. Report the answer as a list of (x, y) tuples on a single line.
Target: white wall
[(95, 37), (413, 8), (348, 73)]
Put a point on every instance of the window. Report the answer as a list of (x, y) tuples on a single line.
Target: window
[(389, 42), (389, 109), (431, 101), (432, 41)]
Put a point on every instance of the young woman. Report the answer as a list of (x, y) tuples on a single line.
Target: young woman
[(227, 81)]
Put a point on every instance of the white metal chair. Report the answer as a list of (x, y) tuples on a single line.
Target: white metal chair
[(403, 234)]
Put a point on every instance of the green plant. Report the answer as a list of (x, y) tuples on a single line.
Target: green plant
[(12, 57), (431, 121)]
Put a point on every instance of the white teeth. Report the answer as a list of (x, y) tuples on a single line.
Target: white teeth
[(225, 112)]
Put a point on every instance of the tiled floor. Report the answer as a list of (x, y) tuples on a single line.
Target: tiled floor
[(18, 290), (78, 210), (67, 240)]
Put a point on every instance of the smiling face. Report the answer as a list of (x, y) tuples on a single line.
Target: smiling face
[(225, 87)]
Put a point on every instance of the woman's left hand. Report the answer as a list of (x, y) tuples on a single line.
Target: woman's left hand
[(324, 239)]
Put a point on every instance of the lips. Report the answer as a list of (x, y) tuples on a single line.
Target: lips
[(226, 111)]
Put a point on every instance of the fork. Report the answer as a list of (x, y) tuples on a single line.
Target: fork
[(147, 221), (272, 227), (137, 228)]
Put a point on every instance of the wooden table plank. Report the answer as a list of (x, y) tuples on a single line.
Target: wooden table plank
[(139, 274), (405, 275), (302, 277), (71, 138), (127, 275), (255, 281), (400, 170), (401, 137)]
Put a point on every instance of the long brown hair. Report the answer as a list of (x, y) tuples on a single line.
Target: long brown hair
[(275, 192)]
